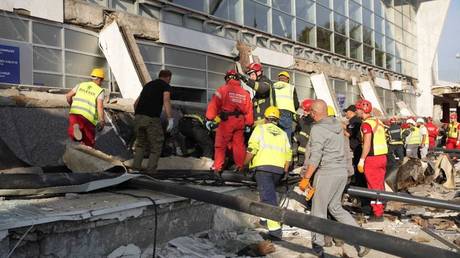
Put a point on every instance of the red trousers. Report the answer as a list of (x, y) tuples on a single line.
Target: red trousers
[(230, 135), (88, 130), (374, 171), (451, 144), (432, 142)]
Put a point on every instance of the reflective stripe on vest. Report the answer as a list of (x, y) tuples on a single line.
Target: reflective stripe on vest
[(414, 137), (284, 93), (301, 149), (197, 117), (379, 143), (85, 100), (453, 130), (272, 146)]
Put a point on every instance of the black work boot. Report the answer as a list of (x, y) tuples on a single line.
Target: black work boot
[(318, 250)]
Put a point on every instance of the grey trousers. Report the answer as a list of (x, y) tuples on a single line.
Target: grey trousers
[(424, 152), (328, 196), (412, 150)]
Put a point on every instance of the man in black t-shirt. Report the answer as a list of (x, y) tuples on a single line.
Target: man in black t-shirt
[(155, 96)]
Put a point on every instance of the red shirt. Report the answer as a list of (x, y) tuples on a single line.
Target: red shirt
[(366, 128)]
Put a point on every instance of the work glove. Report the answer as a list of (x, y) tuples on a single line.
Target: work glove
[(100, 125), (458, 142), (304, 184), (170, 125), (247, 129), (210, 125), (361, 166)]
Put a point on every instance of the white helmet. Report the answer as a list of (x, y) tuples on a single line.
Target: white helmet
[(420, 120), (411, 121)]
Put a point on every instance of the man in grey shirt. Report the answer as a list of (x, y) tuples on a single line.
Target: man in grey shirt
[(327, 159)]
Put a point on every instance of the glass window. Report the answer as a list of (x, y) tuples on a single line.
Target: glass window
[(149, 11), (398, 65), (355, 11), (324, 2), (150, 53), (46, 59), (367, 54), (49, 80), (355, 49), (389, 11), (183, 58), (367, 4), (367, 18), (80, 64), (283, 5), (339, 6), (305, 32), (188, 94), (379, 41), (195, 24), (282, 24), (398, 19), (215, 80), (379, 58), (301, 79), (389, 62), (72, 81), (355, 30), (219, 65), (378, 7), (379, 24), (389, 102), (227, 9), (82, 42), (255, 15), (340, 45), (389, 29), (187, 77), (275, 71), (398, 49), (123, 5), (323, 38), (46, 35), (323, 17), (390, 46), (304, 92), (340, 24), (173, 18), (153, 70), (305, 9), (340, 89), (367, 35), (198, 5), (14, 29)]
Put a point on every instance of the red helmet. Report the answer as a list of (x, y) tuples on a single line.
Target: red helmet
[(364, 105), (231, 74), (453, 116), (254, 67), (306, 104)]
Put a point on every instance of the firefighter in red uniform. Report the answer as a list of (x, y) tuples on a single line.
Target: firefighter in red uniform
[(373, 159), (234, 107), (433, 132), (453, 139)]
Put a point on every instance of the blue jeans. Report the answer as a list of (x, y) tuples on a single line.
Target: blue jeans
[(286, 122), (266, 184)]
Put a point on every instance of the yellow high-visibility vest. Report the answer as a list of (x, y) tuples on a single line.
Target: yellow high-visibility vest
[(284, 93), (84, 102), (414, 137), (379, 143), (453, 130), (270, 146)]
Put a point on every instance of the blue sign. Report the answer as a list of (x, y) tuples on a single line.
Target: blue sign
[(9, 64)]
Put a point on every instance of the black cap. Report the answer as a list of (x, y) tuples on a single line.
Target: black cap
[(350, 108)]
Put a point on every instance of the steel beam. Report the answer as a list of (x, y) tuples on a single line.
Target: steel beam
[(353, 235)]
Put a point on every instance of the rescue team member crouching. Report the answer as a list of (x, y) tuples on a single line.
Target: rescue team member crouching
[(453, 137), (286, 101), (327, 159), (269, 155), (233, 105), (86, 102), (373, 159)]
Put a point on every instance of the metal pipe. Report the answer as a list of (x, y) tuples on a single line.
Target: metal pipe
[(352, 235), (401, 197), (453, 151)]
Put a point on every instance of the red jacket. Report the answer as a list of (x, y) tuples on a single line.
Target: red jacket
[(230, 98), (433, 130)]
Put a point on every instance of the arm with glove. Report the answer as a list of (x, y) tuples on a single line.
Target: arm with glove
[(367, 138)]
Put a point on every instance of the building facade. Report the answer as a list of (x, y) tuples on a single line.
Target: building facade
[(382, 39)]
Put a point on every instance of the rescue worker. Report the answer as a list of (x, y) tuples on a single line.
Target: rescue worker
[(373, 160), (328, 162), (425, 141), (395, 142), (233, 105), (453, 137), (413, 139), (86, 102), (302, 133), (433, 132), (264, 92), (192, 125), (286, 101), (269, 155), (154, 97), (354, 135)]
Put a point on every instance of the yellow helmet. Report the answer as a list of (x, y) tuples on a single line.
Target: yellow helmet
[(97, 72), (272, 112), (284, 73), (330, 111)]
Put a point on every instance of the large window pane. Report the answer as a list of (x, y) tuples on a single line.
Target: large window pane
[(305, 9), (14, 29), (219, 65), (282, 24), (187, 77), (80, 64), (227, 9), (367, 35), (215, 80), (367, 54), (389, 63), (340, 45), (153, 70), (46, 35), (355, 11), (46, 59), (367, 18), (188, 94), (301, 79), (379, 24), (324, 2), (379, 58), (150, 53), (378, 7), (378, 41), (339, 6), (305, 32), (82, 42), (283, 5), (195, 4), (183, 58), (323, 17), (304, 92), (390, 46), (367, 4), (355, 31), (49, 80), (355, 50), (255, 15), (340, 24), (323, 38), (389, 29), (340, 88)]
